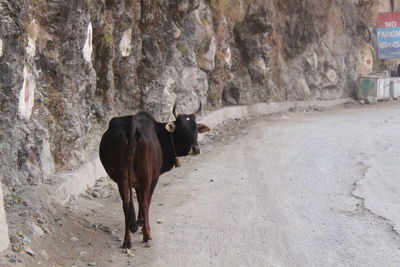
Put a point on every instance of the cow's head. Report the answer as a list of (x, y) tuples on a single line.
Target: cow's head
[(185, 130)]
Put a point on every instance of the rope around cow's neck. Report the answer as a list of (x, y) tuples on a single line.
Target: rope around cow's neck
[(177, 160)]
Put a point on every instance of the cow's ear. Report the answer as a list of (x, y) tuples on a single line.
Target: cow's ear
[(202, 128), (170, 127)]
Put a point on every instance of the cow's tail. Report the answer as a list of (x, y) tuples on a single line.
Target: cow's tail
[(131, 173)]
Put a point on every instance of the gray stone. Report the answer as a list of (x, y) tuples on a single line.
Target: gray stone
[(231, 95), (95, 194), (371, 100), (33, 229), (83, 253), (300, 90), (100, 193), (14, 239), (74, 239), (44, 254), (176, 33), (332, 76), (29, 251), (206, 61), (23, 213), (350, 101)]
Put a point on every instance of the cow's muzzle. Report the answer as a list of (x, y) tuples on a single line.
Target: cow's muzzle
[(195, 150)]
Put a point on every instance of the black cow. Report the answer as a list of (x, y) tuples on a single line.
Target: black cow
[(136, 150)]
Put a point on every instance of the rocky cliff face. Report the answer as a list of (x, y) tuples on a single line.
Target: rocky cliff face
[(67, 67)]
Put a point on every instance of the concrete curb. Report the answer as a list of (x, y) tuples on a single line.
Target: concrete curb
[(77, 181), (4, 239)]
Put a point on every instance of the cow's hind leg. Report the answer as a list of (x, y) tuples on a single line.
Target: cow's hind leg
[(144, 203), (124, 191), (146, 226), (140, 221)]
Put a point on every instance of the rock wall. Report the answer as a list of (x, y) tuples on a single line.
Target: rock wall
[(67, 67)]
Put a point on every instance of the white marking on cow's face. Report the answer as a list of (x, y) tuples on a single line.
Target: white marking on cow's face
[(188, 119)]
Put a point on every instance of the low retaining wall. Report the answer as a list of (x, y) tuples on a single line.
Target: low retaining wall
[(77, 181)]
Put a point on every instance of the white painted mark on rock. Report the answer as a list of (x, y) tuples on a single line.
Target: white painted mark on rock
[(88, 46), (228, 57), (26, 95), (125, 44), (31, 48)]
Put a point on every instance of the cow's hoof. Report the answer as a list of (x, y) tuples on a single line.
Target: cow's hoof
[(127, 244), (140, 222), (133, 227), (148, 244)]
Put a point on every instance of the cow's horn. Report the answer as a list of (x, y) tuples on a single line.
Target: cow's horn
[(174, 111), (198, 112)]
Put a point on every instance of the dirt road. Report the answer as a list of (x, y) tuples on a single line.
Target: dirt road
[(295, 189)]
